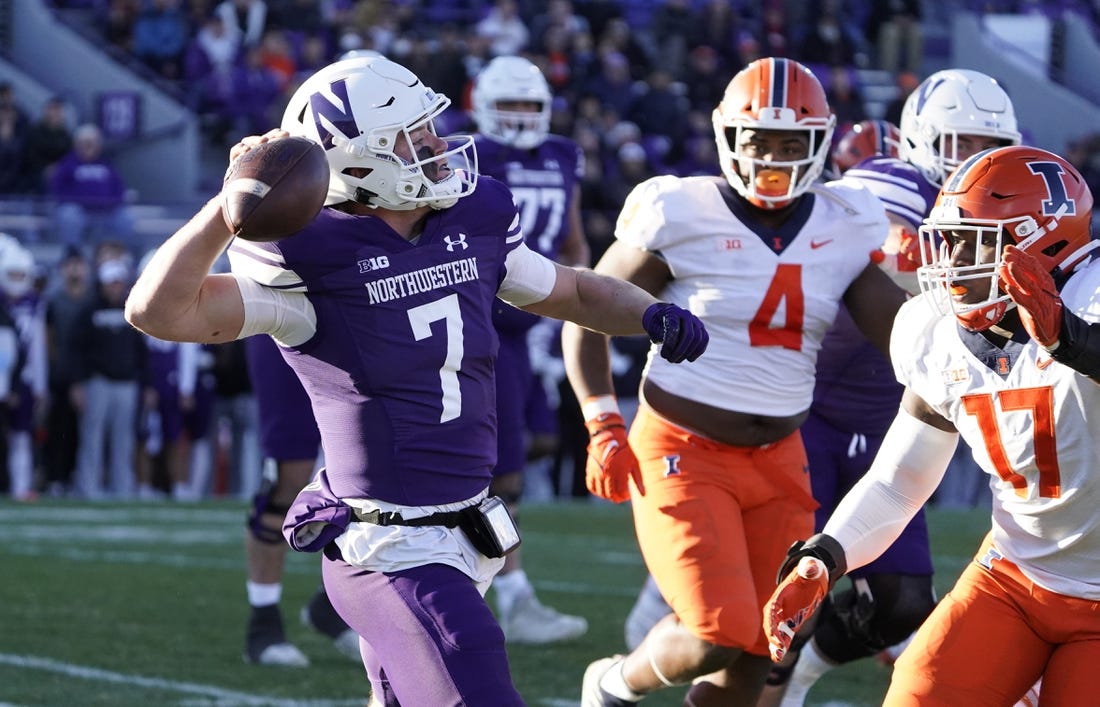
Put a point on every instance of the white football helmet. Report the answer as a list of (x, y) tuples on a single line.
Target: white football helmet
[(512, 78), (17, 271), (359, 109), (945, 105)]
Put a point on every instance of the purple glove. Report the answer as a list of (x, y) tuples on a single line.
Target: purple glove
[(680, 333)]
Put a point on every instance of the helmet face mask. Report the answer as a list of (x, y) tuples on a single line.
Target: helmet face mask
[(502, 87), (946, 106), (362, 111), (1022, 196), (771, 96)]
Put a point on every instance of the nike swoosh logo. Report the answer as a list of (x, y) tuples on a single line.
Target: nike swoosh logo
[(817, 244), (1042, 363)]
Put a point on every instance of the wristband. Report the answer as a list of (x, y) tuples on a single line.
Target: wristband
[(596, 405)]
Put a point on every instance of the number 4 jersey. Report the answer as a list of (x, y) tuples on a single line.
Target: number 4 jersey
[(1034, 427), (399, 368), (767, 295)]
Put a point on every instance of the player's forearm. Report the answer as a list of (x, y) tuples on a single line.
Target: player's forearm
[(909, 466), (175, 298), (587, 361)]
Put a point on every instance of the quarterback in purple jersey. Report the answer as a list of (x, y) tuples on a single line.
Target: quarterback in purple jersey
[(511, 106), (952, 115), (383, 306)]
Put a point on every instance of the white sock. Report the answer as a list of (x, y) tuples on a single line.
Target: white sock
[(810, 667), (264, 594), (614, 684), (509, 588)]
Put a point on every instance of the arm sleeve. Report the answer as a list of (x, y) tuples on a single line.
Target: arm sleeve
[(907, 469), (530, 277), (287, 316)]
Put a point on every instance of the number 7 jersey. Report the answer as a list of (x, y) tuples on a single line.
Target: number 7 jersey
[(400, 369), (1034, 427)]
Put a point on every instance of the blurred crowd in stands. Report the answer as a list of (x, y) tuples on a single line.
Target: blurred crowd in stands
[(635, 82)]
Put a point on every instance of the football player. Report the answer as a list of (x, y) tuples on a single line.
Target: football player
[(951, 116), (383, 307), (867, 138), (714, 464), (511, 106), (1002, 349)]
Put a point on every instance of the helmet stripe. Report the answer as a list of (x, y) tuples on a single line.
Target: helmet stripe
[(960, 173), (780, 72)]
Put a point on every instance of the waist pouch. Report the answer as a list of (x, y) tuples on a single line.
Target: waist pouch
[(488, 525)]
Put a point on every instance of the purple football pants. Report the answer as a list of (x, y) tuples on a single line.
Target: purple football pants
[(427, 635), (836, 464)]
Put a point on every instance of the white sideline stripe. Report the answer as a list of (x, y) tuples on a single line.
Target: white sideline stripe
[(224, 698)]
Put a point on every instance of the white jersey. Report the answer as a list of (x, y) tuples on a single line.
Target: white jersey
[(1034, 426), (767, 296)]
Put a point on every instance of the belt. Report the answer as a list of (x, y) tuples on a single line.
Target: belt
[(448, 519)]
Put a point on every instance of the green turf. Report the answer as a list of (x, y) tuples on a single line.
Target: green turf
[(143, 604)]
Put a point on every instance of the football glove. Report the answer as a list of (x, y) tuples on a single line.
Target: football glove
[(793, 602), (681, 334), (611, 462), (1032, 289)]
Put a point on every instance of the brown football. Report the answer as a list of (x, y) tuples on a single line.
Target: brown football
[(275, 189)]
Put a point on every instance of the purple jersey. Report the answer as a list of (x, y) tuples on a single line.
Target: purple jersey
[(855, 389), (902, 188), (400, 369), (543, 183)]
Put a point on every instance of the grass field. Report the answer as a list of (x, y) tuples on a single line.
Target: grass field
[(143, 605)]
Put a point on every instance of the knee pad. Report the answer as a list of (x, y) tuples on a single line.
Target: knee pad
[(877, 612), (263, 504)]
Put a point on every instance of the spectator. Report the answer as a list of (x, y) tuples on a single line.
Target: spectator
[(13, 143), (277, 55), (660, 105), (894, 27), (672, 27), (63, 305), (160, 35), (558, 17), (90, 193), (48, 140), (845, 98), (829, 40), (255, 88), (504, 28), (613, 85), (236, 449), (110, 358), (246, 19)]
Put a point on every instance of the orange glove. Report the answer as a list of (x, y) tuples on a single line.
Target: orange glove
[(611, 463), (793, 602), (1033, 290), (902, 265)]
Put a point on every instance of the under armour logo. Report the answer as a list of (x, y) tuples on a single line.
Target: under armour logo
[(453, 241), (672, 464)]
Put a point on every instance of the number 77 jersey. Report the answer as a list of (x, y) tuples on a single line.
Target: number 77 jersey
[(766, 295), (1033, 426), (400, 368)]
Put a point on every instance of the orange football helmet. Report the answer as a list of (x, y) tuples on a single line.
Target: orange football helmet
[(773, 94), (1022, 196), (868, 138)]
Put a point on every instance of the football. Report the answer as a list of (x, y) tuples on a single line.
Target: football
[(274, 189)]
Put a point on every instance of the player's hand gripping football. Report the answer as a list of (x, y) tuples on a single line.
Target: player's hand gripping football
[(611, 462), (681, 334), (1033, 290), (793, 602)]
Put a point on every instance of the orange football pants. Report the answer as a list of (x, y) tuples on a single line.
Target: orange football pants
[(993, 636), (714, 522)]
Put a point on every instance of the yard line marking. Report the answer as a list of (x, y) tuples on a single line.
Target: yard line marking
[(223, 697)]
